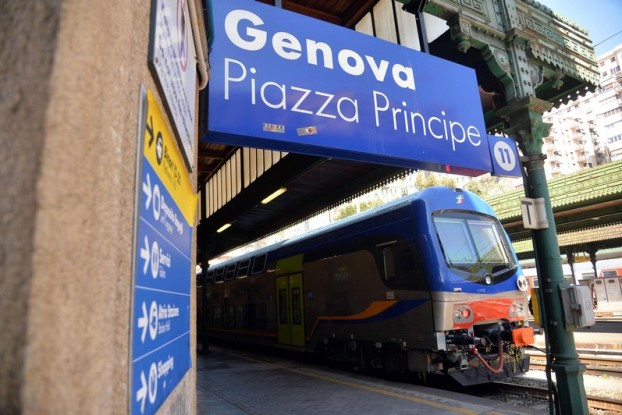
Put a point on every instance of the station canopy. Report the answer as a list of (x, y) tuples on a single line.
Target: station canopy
[(317, 183)]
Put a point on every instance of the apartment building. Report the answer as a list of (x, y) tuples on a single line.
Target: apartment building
[(587, 131)]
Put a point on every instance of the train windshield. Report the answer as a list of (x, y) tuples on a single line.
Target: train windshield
[(475, 244)]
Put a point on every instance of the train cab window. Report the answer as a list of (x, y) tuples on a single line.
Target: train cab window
[(230, 271), (259, 264), (218, 275), (475, 245), (243, 268)]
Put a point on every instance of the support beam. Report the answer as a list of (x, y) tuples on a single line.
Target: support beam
[(524, 122)]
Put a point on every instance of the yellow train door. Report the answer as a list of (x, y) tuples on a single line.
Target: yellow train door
[(290, 310)]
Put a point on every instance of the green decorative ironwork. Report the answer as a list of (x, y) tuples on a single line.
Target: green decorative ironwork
[(601, 183), (540, 50), (523, 121)]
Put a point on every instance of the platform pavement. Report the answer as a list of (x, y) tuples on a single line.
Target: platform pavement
[(229, 383), (586, 340)]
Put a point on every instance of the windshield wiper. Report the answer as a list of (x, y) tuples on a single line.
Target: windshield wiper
[(505, 268)]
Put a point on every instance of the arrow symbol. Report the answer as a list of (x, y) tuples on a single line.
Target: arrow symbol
[(147, 190), (141, 394), (144, 254), (143, 322)]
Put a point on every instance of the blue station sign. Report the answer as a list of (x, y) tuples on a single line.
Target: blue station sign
[(288, 82), (504, 156), (160, 352)]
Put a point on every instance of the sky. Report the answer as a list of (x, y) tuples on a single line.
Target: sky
[(602, 19)]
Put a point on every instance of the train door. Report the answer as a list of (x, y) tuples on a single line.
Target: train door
[(290, 310)]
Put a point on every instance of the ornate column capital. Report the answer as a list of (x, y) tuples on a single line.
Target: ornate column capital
[(523, 122)]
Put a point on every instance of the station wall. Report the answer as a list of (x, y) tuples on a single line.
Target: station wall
[(70, 72)]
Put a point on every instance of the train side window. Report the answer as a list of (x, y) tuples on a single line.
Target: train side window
[(239, 317), (230, 273), (259, 264), (243, 268), (388, 262), (282, 306), (217, 317), (296, 306), (229, 317), (218, 276), (210, 278), (400, 266)]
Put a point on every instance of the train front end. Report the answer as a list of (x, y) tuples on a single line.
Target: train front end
[(478, 292)]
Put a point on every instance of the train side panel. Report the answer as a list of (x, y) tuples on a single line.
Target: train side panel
[(346, 298)]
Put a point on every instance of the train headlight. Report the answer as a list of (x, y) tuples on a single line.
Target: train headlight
[(517, 309), (463, 314)]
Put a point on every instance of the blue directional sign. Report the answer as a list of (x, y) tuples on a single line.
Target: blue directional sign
[(160, 262), (162, 267), (156, 375), (284, 81)]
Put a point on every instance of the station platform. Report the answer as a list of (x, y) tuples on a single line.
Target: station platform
[(598, 341), (598, 338), (237, 383)]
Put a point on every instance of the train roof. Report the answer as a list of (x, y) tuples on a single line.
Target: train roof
[(386, 207)]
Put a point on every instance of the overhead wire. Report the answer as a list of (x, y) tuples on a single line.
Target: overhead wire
[(601, 42)]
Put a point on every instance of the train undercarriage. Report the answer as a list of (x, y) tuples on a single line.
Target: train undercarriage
[(478, 355)]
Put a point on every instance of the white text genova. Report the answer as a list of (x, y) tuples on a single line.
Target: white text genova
[(289, 47)]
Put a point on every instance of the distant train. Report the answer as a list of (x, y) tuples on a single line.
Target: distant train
[(425, 284)]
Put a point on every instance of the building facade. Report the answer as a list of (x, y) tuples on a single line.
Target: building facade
[(609, 121), (587, 131)]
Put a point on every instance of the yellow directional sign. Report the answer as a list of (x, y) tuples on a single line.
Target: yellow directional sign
[(162, 153)]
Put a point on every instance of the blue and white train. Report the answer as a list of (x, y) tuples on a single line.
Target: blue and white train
[(425, 284)]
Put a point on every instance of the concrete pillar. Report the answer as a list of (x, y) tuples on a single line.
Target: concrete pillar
[(70, 72)]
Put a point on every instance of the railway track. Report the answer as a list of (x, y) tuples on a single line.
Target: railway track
[(541, 392), (606, 366), (610, 365)]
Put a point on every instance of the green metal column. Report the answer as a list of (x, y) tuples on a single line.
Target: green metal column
[(524, 121)]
